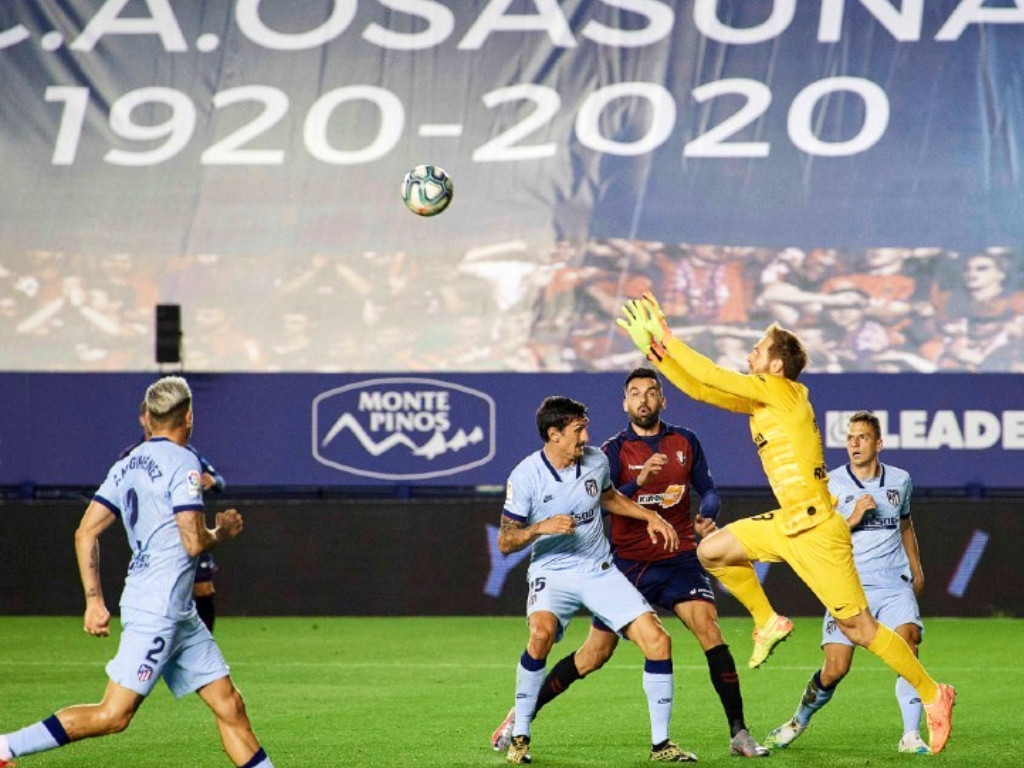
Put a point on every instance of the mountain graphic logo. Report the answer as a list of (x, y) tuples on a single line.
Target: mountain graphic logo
[(403, 428)]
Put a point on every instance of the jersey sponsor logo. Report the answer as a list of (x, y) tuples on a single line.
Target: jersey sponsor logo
[(967, 430), (672, 495), (872, 523), (403, 428), (584, 517)]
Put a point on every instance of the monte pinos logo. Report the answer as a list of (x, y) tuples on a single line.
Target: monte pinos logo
[(403, 428)]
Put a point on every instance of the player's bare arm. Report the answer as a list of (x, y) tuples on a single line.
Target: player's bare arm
[(95, 521), (909, 538), (197, 538), (657, 526), (514, 535)]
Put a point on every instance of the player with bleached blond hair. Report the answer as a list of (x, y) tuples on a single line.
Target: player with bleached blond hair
[(156, 493), (805, 530)]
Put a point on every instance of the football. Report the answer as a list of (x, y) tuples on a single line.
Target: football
[(427, 190)]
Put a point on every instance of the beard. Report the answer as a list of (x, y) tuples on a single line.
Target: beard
[(645, 422)]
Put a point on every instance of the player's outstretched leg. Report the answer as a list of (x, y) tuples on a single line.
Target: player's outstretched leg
[(939, 715), (785, 734), (815, 696), (766, 637), (502, 735), (745, 745)]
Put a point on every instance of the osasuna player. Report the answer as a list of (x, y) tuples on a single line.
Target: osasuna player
[(156, 493), (553, 501), (805, 530), (656, 464), (875, 500)]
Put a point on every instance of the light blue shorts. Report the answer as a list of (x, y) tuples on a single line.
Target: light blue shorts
[(606, 593), (182, 652), (891, 606)]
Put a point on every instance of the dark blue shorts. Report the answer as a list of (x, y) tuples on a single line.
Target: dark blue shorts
[(666, 582)]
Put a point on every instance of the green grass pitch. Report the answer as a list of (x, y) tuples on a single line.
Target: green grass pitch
[(385, 692)]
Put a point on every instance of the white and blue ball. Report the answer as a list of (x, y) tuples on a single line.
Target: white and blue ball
[(427, 190)]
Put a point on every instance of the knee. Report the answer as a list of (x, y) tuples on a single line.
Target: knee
[(658, 645), (859, 629), (705, 552), (833, 672), (542, 638), (115, 720), (705, 628), (232, 709)]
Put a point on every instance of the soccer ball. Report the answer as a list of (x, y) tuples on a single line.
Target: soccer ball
[(427, 190)]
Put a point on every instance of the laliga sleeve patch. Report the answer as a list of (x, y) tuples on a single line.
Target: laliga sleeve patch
[(195, 484), (508, 493)]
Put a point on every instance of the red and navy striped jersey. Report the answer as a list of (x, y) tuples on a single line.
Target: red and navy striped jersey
[(668, 492)]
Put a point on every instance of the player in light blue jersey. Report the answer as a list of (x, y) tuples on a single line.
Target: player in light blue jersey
[(553, 501), (875, 500), (212, 481), (156, 492)]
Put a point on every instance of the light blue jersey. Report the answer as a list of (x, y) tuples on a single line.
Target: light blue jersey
[(537, 491), (146, 489), (877, 544)]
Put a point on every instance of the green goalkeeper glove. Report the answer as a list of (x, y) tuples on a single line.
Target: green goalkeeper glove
[(637, 320), (630, 322), (655, 321)]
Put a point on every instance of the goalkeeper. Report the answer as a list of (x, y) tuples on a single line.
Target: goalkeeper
[(805, 531)]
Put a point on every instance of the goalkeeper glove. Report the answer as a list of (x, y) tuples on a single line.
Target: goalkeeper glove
[(656, 323), (637, 322)]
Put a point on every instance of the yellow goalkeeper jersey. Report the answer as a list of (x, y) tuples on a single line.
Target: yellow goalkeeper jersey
[(782, 426)]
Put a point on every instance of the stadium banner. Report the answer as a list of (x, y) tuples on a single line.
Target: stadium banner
[(838, 165), (439, 557), (950, 431)]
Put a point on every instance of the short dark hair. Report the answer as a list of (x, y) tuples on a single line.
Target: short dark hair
[(868, 417), (558, 412), (787, 347), (643, 372)]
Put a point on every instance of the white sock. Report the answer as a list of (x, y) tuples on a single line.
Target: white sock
[(528, 683), (659, 687), (31, 739), (910, 705)]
